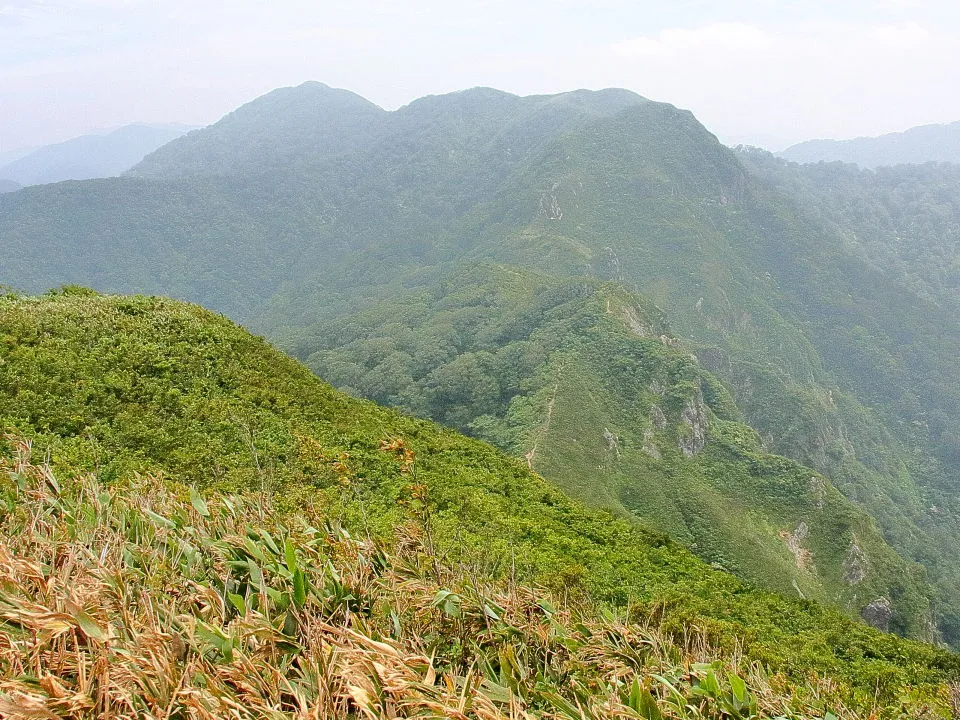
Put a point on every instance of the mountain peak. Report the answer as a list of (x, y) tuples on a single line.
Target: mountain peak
[(476, 99), (310, 90), (311, 120), (285, 123)]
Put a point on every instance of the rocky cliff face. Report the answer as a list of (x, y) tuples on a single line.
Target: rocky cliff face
[(855, 565), (694, 425), (878, 614)]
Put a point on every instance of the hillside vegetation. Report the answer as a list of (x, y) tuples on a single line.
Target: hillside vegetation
[(164, 607), (131, 388), (587, 384), (311, 204)]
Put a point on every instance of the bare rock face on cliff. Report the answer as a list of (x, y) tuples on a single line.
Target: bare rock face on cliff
[(878, 613), (855, 566), (694, 426)]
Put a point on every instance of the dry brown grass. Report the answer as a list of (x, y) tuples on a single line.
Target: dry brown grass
[(149, 603)]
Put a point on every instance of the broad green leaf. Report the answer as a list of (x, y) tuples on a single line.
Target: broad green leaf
[(559, 703), (238, 602), (642, 702), (290, 624), (268, 539), (159, 519), (226, 649), (549, 609), (711, 684), (488, 610), (256, 576), (633, 699), (91, 628), (290, 556), (447, 601), (198, 503), (739, 688), (299, 588)]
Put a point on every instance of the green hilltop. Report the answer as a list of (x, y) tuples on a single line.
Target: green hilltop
[(131, 387)]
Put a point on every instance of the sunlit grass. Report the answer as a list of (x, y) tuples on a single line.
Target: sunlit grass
[(153, 602)]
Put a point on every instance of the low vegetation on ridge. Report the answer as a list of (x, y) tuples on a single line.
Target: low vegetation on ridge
[(587, 383), (463, 561), (822, 297), (151, 604)]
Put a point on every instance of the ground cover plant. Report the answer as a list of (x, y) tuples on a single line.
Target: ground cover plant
[(133, 401), (152, 602)]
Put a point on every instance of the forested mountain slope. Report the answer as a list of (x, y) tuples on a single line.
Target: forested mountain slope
[(586, 383), (133, 386), (904, 220), (310, 204)]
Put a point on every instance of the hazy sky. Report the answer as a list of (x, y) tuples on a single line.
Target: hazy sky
[(762, 71)]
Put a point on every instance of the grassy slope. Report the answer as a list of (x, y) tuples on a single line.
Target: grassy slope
[(148, 601), (118, 385), (573, 375), (836, 363)]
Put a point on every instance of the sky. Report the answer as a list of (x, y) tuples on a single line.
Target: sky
[(761, 72)]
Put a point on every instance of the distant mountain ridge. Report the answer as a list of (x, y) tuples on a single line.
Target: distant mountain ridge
[(313, 121), (9, 156), (922, 144), (89, 156)]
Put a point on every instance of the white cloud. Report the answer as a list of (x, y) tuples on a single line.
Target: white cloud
[(817, 80), (747, 68), (678, 43)]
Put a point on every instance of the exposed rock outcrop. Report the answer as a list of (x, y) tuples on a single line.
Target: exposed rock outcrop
[(649, 446), (657, 417), (634, 321), (855, 565), (794, 542), (878, 613), (550, 204), (613, 444), (818, 490), (694, 426)]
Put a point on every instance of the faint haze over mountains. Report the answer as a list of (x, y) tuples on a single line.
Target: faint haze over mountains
[(87, 156), (810, 290), (927, 143), (753, 71)]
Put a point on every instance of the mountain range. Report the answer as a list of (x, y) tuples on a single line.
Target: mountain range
[(922, 144), (755, 357), (87, 156)]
